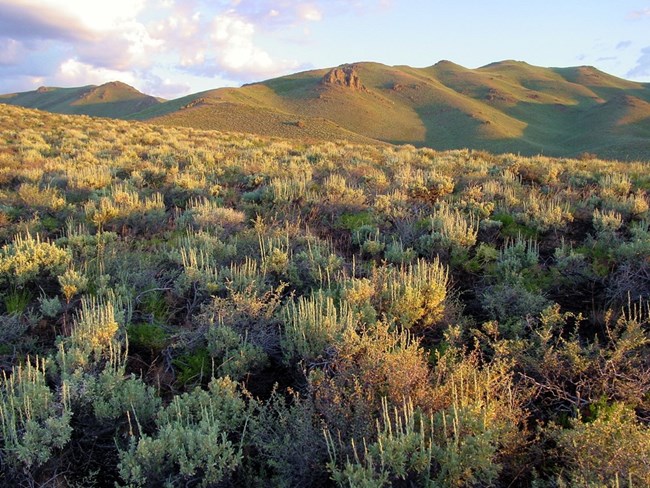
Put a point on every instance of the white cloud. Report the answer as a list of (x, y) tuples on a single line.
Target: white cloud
[(296, 12), (65, 42), (153, 84), (103, 33), (170, 89), (96, 16), (67, 19), (235, 50), (218, 42), (73, 73), (192, 58)]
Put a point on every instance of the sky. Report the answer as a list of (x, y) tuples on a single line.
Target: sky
[(170, 48)]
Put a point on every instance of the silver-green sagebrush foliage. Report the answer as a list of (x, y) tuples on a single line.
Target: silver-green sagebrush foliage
[(192, 308), (198, 438)]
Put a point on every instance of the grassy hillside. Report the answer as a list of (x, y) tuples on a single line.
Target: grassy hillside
[(114, 99), (508, 106), (206, 112), (184, 307)]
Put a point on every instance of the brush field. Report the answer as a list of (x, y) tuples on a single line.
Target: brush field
[(183, 307)]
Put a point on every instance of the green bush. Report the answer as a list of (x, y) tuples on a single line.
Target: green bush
[(35, 419), (287, 433), (451, 449), (234, 355), (198, 438), (12, 327), (17, 301), (147, 336)]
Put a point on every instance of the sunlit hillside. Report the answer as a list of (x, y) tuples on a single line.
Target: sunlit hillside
[(507, 106), (114, 99), (186, 307)]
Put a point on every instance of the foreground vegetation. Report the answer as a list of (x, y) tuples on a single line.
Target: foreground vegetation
[(189, 308)]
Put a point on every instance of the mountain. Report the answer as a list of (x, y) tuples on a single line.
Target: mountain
[(114, 99), (509, 106)]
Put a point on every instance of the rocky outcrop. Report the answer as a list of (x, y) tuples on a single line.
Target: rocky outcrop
[(194, 103), (345, 76), (496, 96)]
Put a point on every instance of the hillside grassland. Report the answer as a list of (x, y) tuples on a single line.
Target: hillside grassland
[(113, 99), (208, 114), (504, 107), (185, 307), (508, 106)]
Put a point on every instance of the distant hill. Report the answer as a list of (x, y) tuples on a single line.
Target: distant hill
[(508, 106), (114, 99)]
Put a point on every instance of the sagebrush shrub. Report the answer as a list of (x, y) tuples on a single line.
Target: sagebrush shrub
[(312, 324), (197, 438), (415, 294), (27, 258), (35, 419)]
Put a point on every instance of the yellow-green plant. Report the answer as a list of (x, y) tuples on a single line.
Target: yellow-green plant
[(44, 198), (606, 221), (430, 186), (545, 213), (207, 214), (89, 176), (611, 450), (312, 325), (95, 337), (451, 229), (338, 192), (276, 254), (72, 283), (124, 205), (27, 259), (615, 184), (416, 294), (450, 449), (375, 363), (291, 189)]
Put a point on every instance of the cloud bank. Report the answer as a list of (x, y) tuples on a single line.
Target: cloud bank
[(79, 42)]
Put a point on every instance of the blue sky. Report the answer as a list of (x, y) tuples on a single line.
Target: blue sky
[(171, 48)]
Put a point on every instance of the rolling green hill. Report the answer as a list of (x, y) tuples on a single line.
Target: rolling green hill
[(114, 99), (508, 106)]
